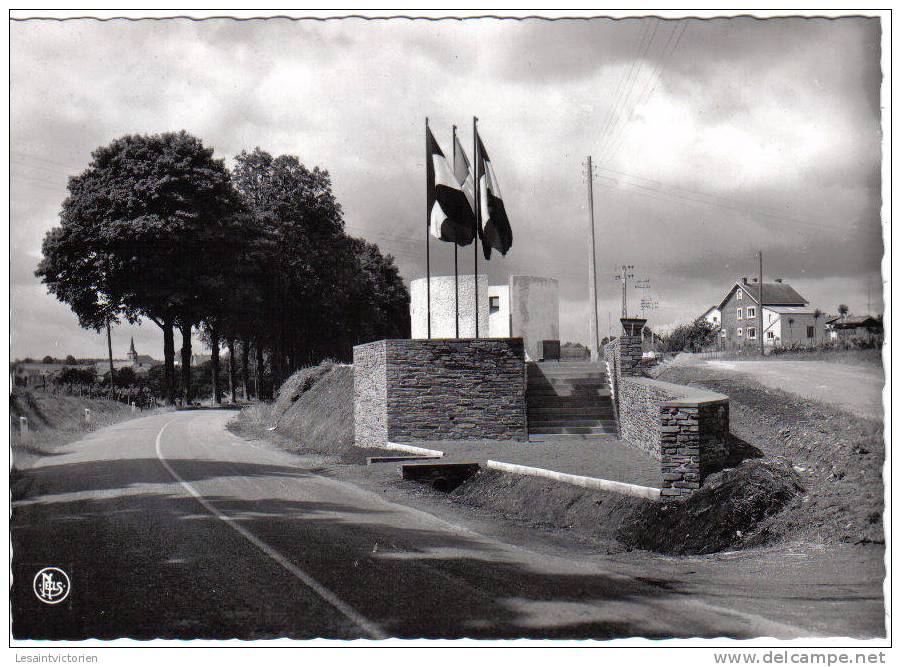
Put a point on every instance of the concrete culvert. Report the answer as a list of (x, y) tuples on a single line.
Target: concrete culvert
[(729, 511)]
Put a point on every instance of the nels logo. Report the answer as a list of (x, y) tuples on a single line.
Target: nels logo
[(51, 585)]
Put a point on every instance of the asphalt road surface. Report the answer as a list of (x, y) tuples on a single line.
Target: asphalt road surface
[(855, 388), (170, 526)]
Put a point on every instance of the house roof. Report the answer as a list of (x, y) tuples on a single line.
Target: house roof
[(854, 321), (709, 310), (791, 310), (774, 294)]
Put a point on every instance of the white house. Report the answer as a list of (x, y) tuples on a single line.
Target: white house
[(713, 316), (788, 318)]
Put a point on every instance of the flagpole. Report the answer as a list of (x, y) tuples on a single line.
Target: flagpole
[(456, 273), (428, 268), (475, 241)]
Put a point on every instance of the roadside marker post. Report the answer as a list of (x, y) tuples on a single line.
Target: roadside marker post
[(25, 434), (133, 407), (87, 415)]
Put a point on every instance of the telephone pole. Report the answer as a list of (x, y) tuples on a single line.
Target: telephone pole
[(760, 302), (592, 278), (625, 272)]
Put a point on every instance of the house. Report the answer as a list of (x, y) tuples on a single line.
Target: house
[(788, 318), (853, 326), (713, 316)]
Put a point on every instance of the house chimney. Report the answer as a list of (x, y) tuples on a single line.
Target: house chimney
[(778, 280), (753, 280), (745, 280)]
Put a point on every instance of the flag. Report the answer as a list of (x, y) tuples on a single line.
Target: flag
[(495, 232), (463, 172), (450, 215)]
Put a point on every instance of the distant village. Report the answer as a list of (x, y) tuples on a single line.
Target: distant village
[(32, 373)]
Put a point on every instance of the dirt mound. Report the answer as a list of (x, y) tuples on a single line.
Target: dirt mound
[(315, 409), (730, 510), (838, 455)]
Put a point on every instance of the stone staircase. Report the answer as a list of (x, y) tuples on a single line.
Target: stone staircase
[(569, 400)]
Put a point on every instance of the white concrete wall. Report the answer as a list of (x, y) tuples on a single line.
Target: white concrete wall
[(442, 291), (534, 312), (499, 320)]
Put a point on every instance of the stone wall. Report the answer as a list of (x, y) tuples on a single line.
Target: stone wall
[(685, 428), (370, 395), (693, 441), (472, 389)]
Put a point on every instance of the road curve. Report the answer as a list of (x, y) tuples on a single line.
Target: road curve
[(169, 526)]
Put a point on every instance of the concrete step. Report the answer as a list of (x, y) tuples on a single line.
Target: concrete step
[(562, 373), (565, 392), (610, 427), (551, 383), (556, 422), (553, 437), (570, 420), (563, 411), (567, 402)]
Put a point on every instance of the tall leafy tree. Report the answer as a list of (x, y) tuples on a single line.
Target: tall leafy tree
[(139, 222)]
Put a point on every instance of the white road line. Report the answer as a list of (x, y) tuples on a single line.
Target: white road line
[(370, 628)]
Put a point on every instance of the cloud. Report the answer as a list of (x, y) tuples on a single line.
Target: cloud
[(711, 139)]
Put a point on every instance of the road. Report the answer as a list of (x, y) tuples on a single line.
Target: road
[(170, 526), (857, 388)]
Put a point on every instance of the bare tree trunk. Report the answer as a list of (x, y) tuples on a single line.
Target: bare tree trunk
[(169, 360), (109, 347), (186, 362), (214, 362), (258, 348), (232, 382), (245, 371)]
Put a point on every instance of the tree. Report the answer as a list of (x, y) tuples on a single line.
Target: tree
[(843, 310), (48, 360), (70, 360), (817, 314), (133, 233), (692, 337)]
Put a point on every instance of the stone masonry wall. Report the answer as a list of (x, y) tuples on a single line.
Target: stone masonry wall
[(370, 395), (453, 389), (693, 443), (685, 428), (470, 389)]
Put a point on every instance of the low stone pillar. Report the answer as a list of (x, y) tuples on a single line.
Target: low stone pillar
[(630, 345), (692, 442)]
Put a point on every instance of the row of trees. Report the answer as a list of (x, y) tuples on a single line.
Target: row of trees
[(256, 258)]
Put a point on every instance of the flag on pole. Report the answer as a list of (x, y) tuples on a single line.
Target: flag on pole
[(495, 232), (463, 172), (450, 215)]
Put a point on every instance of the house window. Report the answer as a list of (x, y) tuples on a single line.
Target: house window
[(752, 333), (738, 295), (751, 312), (723, 333), (494, 303), (738, 314), (738, 332), (810, 332), (770, 335)]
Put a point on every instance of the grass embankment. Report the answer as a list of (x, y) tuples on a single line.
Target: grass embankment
[(313, 412), (54, 421)]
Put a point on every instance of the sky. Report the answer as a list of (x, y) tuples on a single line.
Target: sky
[(711, 140)]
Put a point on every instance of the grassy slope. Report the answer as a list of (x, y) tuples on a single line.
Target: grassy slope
[(54, 421), (314, 411)]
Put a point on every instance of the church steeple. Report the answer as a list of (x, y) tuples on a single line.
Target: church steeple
[(132, 353)]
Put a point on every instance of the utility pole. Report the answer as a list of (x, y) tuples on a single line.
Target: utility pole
[(624, 275), (109, 348), (760, 301), (592, 278)]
